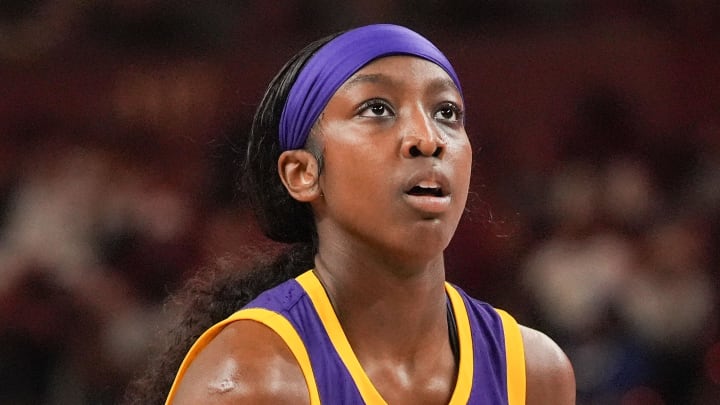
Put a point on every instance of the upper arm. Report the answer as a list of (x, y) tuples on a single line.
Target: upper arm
[(246, 362), (549, 374)]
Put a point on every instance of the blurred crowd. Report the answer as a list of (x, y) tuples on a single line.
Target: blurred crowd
[(594, 212)]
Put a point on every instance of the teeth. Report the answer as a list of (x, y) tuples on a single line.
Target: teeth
[(428, 184)]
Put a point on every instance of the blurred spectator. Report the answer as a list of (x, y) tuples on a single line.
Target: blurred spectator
[(668, 303), (89, 251), (573, 277)]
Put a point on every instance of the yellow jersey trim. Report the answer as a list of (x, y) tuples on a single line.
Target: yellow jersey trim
[(272, 320), (466, 367), (368, 392), (321, 302), (515, 359)]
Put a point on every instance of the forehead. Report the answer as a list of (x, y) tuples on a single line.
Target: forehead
[(400, 69)]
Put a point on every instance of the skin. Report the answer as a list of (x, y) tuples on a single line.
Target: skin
[(395, 124)]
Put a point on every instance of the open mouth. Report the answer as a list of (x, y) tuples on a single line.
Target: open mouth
[(426, 191), (429, 194)]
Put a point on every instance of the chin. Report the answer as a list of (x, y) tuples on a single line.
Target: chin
[(424, 246)]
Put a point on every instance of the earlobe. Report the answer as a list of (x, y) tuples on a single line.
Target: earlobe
[(299, 172)]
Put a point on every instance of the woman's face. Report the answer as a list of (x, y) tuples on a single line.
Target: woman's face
[(396, 159)]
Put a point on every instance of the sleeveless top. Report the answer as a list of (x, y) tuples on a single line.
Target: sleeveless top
[(491, 367)]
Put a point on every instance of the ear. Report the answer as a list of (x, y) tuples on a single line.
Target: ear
[(299, 172)]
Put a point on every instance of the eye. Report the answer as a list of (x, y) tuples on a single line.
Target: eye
[(375, 108), (449, 112)]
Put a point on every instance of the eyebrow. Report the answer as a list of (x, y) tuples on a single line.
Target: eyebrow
[(379, 78), (443, 84), (367, 78)]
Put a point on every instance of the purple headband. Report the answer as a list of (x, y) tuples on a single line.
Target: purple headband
[(335, 62)]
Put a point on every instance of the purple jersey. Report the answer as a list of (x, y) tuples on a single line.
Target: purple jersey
[(491, 360)]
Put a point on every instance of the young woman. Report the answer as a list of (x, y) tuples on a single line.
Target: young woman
[(359, 157)]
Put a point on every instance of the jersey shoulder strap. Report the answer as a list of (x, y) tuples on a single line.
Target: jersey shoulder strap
[(278, 323), (515, 358)]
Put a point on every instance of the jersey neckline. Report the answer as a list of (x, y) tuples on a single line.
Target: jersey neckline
[(320, 300)]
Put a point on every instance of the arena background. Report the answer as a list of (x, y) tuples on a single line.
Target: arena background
[(595, 212)]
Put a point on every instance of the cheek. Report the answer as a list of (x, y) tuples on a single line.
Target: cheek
[(351, 173), (462, 168), (462, 160)]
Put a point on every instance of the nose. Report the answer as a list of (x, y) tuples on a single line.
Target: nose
[(422, 138)]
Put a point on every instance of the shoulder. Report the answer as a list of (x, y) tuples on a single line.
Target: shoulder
[(549, 374), (246, 362)]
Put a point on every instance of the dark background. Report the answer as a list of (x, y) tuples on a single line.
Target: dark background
[(595, 206)]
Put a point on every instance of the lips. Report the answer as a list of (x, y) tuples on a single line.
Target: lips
[(428, 191), (428, 183)]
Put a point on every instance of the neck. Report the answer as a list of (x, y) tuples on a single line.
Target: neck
[(386, 308)]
